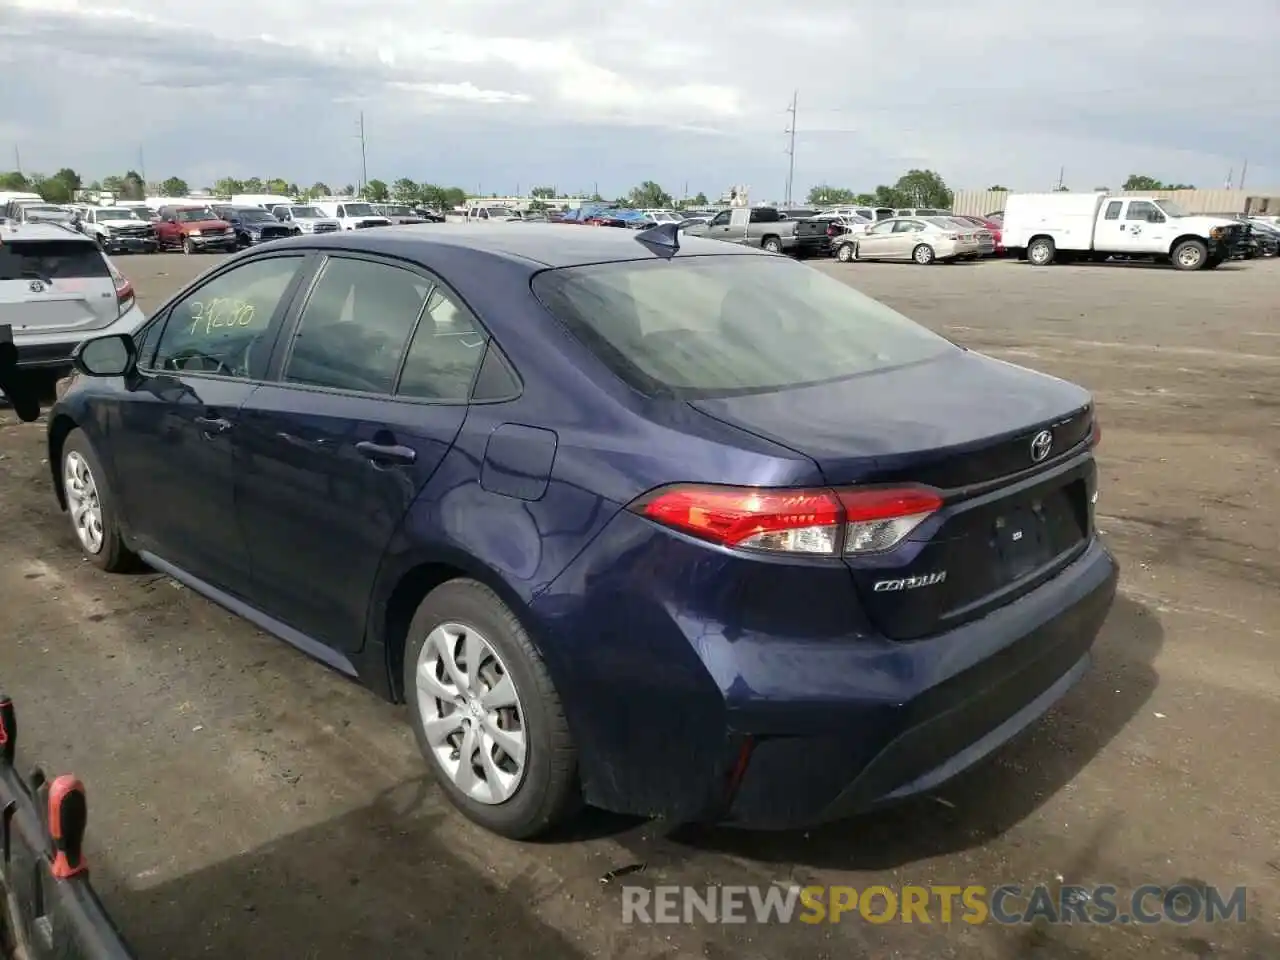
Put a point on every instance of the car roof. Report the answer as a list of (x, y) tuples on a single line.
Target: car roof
[(543, 244), (41, 231)]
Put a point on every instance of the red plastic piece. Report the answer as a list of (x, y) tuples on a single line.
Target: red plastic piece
[(68, 814)]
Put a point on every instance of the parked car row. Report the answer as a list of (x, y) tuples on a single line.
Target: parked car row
[(218, 227)]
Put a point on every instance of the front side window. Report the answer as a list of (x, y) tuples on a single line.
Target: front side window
[(721, 325), (1140, 210), (355, 326), (215, 328)]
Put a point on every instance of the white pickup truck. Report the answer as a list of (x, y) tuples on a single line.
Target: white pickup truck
[(1044, 227)]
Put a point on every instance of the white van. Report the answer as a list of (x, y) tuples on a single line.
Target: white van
[(352, 214)]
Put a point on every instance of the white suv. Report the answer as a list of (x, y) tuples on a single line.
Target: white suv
[(56, 289)]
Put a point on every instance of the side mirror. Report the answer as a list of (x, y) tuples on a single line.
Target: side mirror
[(110, 356), (1155, 217)]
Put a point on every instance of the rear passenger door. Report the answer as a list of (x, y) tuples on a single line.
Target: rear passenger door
[(370, 388)]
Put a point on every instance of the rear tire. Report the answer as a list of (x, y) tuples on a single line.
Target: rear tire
[(844, 253), (771, 245), (466, 617), (1190, 255), (923, 255), (1041, 252), (91, 506)]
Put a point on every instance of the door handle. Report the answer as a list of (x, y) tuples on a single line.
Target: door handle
[(385, 453), (210, 426)]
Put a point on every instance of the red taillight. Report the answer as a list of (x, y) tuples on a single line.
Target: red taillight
[(817, 521), (124, 289)]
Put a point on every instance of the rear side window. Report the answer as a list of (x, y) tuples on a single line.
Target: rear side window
[(720, 325), (447, 349), (355, 327), (1113, 209), (51, 260)]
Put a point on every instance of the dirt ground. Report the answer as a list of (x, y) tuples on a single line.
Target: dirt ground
[(247, 802)]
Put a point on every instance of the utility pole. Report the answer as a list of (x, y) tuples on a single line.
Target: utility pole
[(1243, 170), (17, 159), (364, 159), (791, 146), (142, 170), (1062, 173)]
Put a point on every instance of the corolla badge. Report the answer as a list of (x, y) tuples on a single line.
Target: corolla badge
[(910, 583), (1041, 444)]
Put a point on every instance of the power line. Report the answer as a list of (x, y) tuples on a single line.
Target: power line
[(791, 146)]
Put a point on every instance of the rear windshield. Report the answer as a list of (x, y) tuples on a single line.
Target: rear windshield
[(709, 326), (50, 260)]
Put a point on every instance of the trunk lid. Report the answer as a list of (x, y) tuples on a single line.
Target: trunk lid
[(55, 286), (963, 424)]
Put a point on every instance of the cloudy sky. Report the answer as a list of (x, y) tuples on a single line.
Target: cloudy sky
[(494, 95)]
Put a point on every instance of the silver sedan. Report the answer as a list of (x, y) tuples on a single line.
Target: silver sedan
[(924, 240)]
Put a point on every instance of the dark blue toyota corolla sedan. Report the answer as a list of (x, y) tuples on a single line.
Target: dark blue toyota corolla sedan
[(675, 528)]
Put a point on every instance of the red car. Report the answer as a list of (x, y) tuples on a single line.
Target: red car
[(997, 234), (194, 230)]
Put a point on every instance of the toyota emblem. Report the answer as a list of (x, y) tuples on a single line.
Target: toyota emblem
[(1040, 446), (35, 286)]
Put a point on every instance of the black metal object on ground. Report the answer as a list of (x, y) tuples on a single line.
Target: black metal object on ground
[(48, 909), (17, 385)]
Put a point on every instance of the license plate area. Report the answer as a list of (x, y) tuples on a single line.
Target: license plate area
[(1020, 537)]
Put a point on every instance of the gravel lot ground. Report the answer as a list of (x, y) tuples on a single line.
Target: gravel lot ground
[(249, 803)]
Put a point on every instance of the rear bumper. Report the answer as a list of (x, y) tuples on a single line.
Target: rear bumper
[(945, 728), (46, 355), (53, 350), (807, 246), (700, 685)]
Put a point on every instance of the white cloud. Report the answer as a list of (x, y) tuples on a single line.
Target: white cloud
[(582, 92)]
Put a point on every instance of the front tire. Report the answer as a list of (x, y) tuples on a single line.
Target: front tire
[(188, 247), (1190, 255), (91, 506), (486, 715), (1041, 252)]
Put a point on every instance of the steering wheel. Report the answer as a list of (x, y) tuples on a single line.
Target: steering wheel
[(193, 360)]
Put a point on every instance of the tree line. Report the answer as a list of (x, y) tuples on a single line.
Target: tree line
[(61, 187), (915, 188)]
